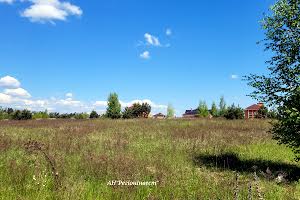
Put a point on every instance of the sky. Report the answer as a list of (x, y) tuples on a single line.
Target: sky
[(67, 56)]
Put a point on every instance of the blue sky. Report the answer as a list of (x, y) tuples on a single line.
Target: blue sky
[(69, 55)]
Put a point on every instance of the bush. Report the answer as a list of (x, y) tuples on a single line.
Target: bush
[(40, 115), (234, 112), (21, 115), (94, 115), (81, 116)]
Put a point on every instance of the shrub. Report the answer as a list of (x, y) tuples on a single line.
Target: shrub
[(21, 115), (81, 116), (94, 115), (40, 115), (234, 112)]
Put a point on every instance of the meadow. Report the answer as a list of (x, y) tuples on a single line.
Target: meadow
[(188, 159)]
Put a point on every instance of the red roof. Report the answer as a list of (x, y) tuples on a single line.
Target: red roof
[(255, 106)]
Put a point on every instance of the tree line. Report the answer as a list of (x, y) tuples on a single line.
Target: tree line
[(137, 110)]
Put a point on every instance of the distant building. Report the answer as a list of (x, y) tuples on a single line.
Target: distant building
[(251, 111), (159, 116), (190, 113)]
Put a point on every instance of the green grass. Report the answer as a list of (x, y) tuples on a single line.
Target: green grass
[(89, 153)]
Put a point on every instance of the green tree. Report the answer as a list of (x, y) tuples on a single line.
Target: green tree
[(128, 113), (281, 86), (145, 110), (137, 110), (262, 112), (203, 109), (222, 107), (113, 110), (234, 112), (94, 115), (214, 110), (170, 111)]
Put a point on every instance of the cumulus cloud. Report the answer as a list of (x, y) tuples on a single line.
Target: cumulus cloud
[(9, 82), (50, 10), (151, 40), (100, 103), (69, 95), (5, 99), (18, 92), (21, 99), (234, 76), (145, 55)]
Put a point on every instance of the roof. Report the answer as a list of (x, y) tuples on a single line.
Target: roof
[(191, 112), (255, 106)]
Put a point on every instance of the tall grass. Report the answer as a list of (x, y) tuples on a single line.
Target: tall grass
[(190, 159)]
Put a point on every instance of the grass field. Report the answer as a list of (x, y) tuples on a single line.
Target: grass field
[(189, 159)]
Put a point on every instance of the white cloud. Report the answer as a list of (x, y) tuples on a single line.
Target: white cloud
[(5, 99), (9, 82), (145, 55), (21, 99), (151, 40), (100, 103), (69, 95), (18, 92), (50, 10), (152, 104), (234, 76), (7, 1), (68, 102), (168, 32)]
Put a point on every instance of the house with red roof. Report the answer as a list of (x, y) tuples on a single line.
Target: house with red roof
[(251, 111)]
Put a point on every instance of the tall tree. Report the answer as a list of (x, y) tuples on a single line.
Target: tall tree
[(202, 109), (170, 111), (281, 87), (222, 106), (113, 110), (214, 110)]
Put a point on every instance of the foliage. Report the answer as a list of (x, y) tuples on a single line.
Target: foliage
[(54, 115), (113, 110), (272, 114), (234, 112), (40, 115), (137, 110), (281, 87), (214, 110), (202, 109), (81, 116), (128, 113), (262, 112), (94, 115), (222, 107), (170, 111), (21, 115)]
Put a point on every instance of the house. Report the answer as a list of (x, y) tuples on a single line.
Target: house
[(190, 113), (251, 111), (159, 116)]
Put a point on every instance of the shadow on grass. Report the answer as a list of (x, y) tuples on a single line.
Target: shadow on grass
[(265, 168)]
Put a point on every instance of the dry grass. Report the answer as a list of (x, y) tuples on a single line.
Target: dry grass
[(71, 159)]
